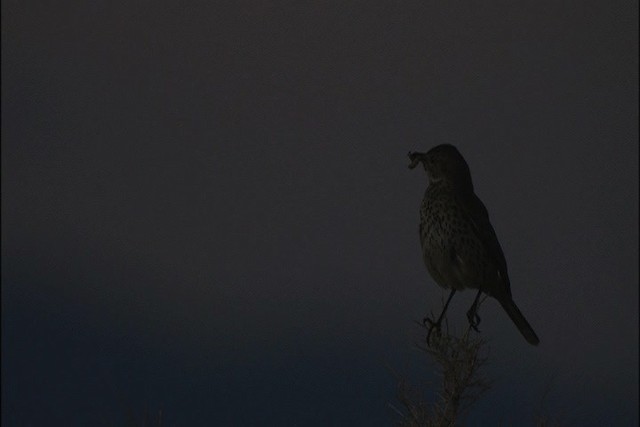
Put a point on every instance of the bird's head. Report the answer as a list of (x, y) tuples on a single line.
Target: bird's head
[(443, 163)]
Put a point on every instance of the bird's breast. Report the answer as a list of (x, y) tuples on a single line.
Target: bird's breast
[(451, 251)]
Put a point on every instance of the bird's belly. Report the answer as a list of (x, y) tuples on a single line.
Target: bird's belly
[(452, 253)]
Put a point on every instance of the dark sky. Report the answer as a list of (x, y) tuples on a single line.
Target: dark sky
[(206, 206)]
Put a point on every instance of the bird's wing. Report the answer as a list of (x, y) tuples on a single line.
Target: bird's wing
[(477, 212)]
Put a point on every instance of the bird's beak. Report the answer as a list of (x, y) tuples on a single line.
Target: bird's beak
[(415, 158)]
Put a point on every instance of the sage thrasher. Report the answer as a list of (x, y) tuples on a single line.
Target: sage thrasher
[(459, 246)]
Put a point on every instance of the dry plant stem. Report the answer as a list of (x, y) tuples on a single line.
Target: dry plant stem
[(458, 362)]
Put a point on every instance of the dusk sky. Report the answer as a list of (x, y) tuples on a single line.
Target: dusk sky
[(207, 210)]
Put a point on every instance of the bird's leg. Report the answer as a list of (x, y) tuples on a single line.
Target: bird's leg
[(472, 314), (436, 325)]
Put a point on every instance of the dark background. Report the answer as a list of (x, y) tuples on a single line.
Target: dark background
[(206, 206)]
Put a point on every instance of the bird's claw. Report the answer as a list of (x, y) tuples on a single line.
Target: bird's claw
[(432, 326), (474, 319)]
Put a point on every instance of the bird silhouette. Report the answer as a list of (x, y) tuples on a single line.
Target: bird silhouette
[(459, 245)]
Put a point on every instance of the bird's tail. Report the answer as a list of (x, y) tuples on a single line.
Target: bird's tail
[(516, 316)]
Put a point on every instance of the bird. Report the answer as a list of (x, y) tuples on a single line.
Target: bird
[(459, 245)]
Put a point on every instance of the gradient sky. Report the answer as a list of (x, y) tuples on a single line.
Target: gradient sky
[(206, 206)]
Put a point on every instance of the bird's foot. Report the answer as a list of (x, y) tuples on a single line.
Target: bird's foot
[(432, 326), (474, 319)]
